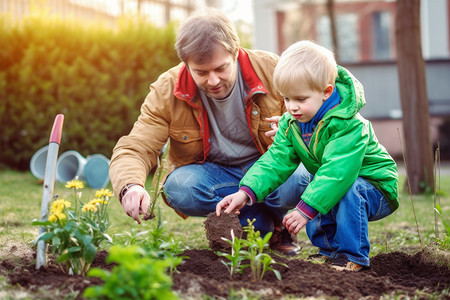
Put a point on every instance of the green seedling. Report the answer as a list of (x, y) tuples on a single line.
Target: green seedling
[(234, 257), (251, 249), (260, 262), (136, 276), (157, 187), (438, 209), (156, 244)]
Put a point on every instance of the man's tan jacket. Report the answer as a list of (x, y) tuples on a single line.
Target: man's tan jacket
[(173, 111)]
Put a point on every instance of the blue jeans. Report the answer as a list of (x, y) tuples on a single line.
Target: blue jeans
[(195, 190), (344, 229)]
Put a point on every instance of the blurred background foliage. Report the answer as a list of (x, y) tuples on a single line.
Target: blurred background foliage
[(96, 76)]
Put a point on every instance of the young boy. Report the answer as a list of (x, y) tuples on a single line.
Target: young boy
[(353, 179)]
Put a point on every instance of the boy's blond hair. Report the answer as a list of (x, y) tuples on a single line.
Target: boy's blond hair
[(305, 61)]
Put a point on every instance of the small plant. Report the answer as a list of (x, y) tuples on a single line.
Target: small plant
[(260, 262), (445, 222), (251, 249), (75, 233), (159, 248), (445, 243), (137, 276), (156, 244), (157, 185), (235, 258)]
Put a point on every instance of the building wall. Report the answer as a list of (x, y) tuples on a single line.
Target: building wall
[(363, 23), (304, 19)]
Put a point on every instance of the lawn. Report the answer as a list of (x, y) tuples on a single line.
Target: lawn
[(22, 194)]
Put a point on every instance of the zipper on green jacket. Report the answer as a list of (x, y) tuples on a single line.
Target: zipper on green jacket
[(296, 133)]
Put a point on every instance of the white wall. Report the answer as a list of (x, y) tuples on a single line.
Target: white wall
[(434, 22), (265, 25)]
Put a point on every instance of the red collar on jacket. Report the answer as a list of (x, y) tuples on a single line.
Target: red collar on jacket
[(186, 89)]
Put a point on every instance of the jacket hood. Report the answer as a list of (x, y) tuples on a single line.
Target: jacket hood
[(352, 95), (351, 92)]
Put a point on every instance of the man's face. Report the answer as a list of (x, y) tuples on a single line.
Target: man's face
[(217, 77)]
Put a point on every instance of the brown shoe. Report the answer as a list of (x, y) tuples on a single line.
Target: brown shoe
[(284, 243), (342, 263)]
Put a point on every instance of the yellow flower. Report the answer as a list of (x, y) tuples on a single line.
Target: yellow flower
[(57, 216), (52, 218), (61, 216), (103, 193), (89, 207), (95, 201), (59, 205), (74, 184)]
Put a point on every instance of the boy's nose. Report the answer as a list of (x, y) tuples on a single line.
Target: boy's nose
[(293, 107)]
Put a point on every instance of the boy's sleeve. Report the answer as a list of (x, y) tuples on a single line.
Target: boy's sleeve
[(306, 211), (273, 168)]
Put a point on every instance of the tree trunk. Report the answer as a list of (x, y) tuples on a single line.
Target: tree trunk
[(333, 30), (414, 99)]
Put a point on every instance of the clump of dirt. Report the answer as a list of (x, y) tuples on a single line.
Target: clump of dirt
[(220, 227), (433, 254)]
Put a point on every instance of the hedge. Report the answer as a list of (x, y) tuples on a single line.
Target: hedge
[(94, 75)]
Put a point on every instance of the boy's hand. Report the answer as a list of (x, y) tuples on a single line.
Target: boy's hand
[(233, 202), (294, 221)]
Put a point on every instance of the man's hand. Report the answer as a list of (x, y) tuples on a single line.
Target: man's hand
[(294, 221), (273, 126), (233, 202), (136, 202)]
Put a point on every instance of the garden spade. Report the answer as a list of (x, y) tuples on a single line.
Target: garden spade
[(49, 182)]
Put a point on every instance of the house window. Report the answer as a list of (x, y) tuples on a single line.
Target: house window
[(381, 36), (347, 32)]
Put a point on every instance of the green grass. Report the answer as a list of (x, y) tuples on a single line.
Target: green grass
[(22, 195), (20, 203)]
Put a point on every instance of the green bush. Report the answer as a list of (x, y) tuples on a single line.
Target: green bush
[(96, 76)]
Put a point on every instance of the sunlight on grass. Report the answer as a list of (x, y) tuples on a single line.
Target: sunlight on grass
[(22, 195), (401, 227)]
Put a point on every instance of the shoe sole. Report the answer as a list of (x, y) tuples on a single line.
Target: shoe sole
[(351, 266)]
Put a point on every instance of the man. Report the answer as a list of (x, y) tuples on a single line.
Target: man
[(213, 108)]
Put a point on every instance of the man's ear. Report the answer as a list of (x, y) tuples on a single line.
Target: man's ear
[(327, 92)]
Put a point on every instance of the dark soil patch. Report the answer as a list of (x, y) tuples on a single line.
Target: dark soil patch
[(391, 273), (23, 273), (203, 274)]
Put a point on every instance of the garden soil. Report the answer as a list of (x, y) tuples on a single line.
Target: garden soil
[(203, 273)]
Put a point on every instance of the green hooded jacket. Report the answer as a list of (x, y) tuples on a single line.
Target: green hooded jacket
[(342, 148)]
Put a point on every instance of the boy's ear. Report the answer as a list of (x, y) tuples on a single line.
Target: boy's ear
[(327, 92)]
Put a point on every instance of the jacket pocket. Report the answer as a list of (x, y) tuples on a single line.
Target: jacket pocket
[(186, 145)]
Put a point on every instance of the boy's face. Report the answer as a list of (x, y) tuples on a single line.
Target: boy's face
[(217, 77), (303, 103)]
